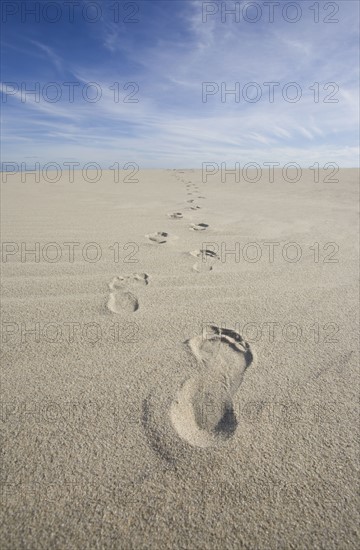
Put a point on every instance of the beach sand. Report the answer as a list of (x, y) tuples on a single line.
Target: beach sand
[(161, 392)]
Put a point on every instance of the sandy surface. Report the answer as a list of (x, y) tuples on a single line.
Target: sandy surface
[(127, 421)]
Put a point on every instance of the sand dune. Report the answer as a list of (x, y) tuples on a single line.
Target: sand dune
[(180, 372)]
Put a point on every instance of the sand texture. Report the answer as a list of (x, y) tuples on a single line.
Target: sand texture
[(169, 384)]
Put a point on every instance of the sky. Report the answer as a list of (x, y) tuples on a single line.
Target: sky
[(146, 82)]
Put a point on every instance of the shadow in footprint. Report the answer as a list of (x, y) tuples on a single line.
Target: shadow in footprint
[(228, 423)]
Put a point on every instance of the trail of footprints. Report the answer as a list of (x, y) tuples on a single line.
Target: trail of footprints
[(202, 412), (122, 297), (162, 237)]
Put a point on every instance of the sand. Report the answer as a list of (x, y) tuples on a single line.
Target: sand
[(171, 395)]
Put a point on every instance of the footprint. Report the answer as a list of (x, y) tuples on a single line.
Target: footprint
[(136, 278), (199, 226), (191, 200), (196, 207), (176, 215), (121, 299), (208, 257), (201, 197), (205, 253), (202, 412), (160, 237)]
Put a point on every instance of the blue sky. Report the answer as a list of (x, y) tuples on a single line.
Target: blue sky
[(168, 50)]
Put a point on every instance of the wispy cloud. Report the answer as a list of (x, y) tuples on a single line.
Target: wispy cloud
[(51, 56), (169, 54)]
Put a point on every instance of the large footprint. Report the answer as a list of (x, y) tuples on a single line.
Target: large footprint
[(202, 413), (121, 297)]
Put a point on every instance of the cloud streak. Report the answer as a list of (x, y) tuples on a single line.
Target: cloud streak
[(169, 57)]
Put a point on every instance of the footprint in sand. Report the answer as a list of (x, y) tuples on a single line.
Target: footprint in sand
[(199, 226), (121, 298), (208, 259), (160, 237), (202, 412), (191, 200), (176, 215), (196, 207)]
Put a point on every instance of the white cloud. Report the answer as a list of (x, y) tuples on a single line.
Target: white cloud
[(50, 54), (171, 120)]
